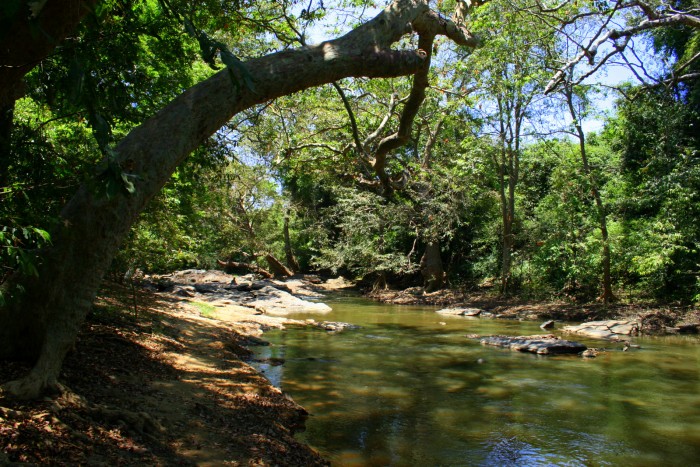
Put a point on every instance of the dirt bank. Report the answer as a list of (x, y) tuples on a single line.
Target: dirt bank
[(165, 384)]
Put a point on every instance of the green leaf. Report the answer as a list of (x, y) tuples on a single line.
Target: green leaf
[(43, 234)]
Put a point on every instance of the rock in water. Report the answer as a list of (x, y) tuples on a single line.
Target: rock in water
[(278, 302), (547, 324), (612, 329), (460, 311), (336, 326), (542, 345)]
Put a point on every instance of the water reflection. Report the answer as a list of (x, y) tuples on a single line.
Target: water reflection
[(407, 390)]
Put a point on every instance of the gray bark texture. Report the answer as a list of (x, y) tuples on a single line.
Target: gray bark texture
[(44, 322)]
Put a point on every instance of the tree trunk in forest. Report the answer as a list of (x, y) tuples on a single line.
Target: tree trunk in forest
[(507, 196), (30, 36), (506, 254), (44, 323), (276, 267), (245, 266), (292, 262), (511, 115), (607, 296), (431, 268)]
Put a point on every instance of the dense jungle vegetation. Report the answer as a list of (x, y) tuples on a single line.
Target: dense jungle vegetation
[(522, 164)]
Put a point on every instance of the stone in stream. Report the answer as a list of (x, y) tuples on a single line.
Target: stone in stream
[(335, 326), (208, 287), (611, 329), (186, 291), (272, 301), (460, 311), (542, 345), (547, 324)]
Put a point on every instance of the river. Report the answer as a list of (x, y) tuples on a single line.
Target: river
[(410, 389)]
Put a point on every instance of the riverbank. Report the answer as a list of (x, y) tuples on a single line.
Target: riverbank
[(160, 374), (655, 319), (159, 379)]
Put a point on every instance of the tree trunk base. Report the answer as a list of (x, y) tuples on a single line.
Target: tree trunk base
[(31, 387), (607, 297)]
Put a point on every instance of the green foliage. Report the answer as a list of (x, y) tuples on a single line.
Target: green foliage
[(17, 246), (660, 188), (363, 235)]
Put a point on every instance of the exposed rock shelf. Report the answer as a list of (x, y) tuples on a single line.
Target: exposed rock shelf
[(541, 345), (611, 329), (460, 311), (270, 297)]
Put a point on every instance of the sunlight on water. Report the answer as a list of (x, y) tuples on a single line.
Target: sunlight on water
[(407, 390)]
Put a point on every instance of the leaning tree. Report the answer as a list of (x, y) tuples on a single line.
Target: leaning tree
[(43, 322)]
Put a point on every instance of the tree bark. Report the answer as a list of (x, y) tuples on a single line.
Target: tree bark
[(431, 267), (29, 36), (292, 262), (246, 266), (278, 269), (45, 322), (6, 124)]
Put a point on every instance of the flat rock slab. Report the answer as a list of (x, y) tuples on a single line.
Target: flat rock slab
[(460, 311), (273, 301), (610, 329), (542, 345)]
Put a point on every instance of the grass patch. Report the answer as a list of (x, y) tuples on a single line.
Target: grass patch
[(205, 309)]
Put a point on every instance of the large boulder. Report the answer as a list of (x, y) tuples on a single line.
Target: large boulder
[(610, 329), (542, 345), (272, 301), (460, 311)]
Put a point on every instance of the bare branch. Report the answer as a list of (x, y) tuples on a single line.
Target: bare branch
[(353, 123), (620, 38)]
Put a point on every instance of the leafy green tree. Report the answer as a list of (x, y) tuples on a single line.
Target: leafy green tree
[(576, 109), (511, 76), (660, 171), (91, 228)]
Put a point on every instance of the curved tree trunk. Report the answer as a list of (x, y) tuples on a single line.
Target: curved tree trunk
[(45, 322), (278, 269), (246, 266)]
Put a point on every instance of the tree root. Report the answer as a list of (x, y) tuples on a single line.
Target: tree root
[(139, 422), (10, 414), (30, 387)]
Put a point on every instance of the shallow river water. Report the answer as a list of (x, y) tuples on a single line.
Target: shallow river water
[(406, 390)]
